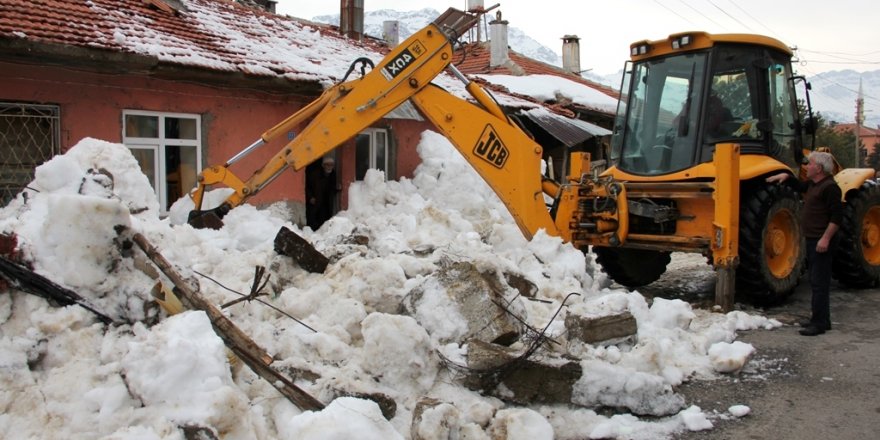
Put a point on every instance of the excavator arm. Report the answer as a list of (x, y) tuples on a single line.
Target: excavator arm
[(505, 157), (340, 113)]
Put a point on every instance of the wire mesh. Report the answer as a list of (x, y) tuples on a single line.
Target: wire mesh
[(30, 134)]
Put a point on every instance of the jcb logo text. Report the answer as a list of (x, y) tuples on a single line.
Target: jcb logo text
[(490, 148)]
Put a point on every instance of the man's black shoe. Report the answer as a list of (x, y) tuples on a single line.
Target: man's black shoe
[(809, 323), (811, 330)]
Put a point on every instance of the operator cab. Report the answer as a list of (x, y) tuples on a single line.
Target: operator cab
[(682, 96)]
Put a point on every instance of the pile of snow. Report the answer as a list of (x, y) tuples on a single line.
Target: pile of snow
[(65, 375)]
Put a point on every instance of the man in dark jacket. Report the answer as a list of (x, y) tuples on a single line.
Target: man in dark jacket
[(321, 189), (820, 220)]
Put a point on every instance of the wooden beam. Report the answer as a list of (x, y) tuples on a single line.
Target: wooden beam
[(241, 344)]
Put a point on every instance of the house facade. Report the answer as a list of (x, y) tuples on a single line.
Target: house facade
[(186, 85), (183, 85)]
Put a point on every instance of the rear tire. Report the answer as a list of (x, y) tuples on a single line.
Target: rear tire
[(771, 244), (632, 267), (857, 260)]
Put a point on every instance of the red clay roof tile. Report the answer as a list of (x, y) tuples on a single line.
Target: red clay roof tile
[(213, 34), (474, 59)]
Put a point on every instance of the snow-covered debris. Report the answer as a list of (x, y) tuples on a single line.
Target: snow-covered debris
[(65, 375), (739, 410), (730, 358)]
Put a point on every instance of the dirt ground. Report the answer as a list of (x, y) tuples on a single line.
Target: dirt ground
[(798, 387)]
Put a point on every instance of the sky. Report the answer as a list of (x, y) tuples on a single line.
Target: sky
[(63, 374), (829, 36)]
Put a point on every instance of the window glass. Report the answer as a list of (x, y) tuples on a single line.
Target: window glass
[(784, 141), (729, 107), (172, 164), (146, 158), (380, 150), (371, 151), (664, 101), (180, 171), (620, 117), (180, 128), (141, 126), (362, 155)]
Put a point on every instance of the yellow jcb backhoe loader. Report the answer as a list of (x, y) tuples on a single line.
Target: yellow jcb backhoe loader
[(701, 121)]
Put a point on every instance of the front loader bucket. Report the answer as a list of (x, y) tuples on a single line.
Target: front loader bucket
[(208, 219)]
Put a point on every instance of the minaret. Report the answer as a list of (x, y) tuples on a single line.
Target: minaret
[(860, 119)]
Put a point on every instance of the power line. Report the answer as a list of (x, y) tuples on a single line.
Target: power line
[(673, 12), (840, 62), (701, 13), (755, 19), (843, 53), (842, 56), (732, 17)]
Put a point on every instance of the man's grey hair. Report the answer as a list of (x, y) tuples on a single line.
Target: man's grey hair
[(824, 160)]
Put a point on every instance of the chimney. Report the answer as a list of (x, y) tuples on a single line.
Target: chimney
[(498, 52), (391, 32), (266, 5), (475, 6), (571, 54), (351, 19)]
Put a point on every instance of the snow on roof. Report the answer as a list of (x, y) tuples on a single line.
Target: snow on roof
[(213, 34), (554, 88)]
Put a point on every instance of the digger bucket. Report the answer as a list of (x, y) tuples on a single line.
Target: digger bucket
[(209, 218)]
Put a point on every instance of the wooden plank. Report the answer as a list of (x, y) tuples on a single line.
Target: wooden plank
[(26, 280), (242, 345)]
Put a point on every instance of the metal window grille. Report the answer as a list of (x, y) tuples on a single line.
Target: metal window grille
[(30, 134)]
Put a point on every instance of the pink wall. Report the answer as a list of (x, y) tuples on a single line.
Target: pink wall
[(91, 106)]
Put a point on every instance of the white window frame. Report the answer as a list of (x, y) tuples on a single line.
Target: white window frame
[(158, 146), (373, 133)]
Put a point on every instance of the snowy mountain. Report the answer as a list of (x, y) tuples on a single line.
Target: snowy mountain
[(412, 21), (834, 95)]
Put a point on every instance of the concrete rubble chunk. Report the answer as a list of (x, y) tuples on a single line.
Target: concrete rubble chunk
[(601, 330), (525, 287), (481, 300), (498, 371)]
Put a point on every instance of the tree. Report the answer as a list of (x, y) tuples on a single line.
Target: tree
[(841, 142), (873, 159)]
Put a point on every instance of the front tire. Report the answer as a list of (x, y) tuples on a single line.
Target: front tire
[(771, 244), (857, 260), (632, 267)]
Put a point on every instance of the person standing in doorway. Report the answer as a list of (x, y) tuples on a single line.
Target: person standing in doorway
[(820, 220), (321, 189)]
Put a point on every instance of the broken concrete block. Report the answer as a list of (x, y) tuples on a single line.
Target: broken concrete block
[(289, 243), (609, 329), (480, 300), (499, 371), (525, 287)]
